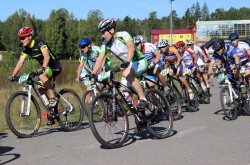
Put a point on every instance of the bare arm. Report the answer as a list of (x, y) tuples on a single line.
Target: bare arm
[(18, 66), (131, 50), (46, 57), (98, 63), (79, 69)]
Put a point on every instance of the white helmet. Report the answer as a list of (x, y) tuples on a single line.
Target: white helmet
[(190, 42), (162, 43), (138, 39)]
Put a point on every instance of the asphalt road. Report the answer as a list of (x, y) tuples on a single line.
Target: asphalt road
[(199, 138)]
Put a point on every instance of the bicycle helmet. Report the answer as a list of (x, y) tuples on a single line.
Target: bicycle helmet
[(179, 44), (106, 25), (24, 32), (162, 43), (233, 36), (190, 42), (138, 39), (84, 42), (218, 44)]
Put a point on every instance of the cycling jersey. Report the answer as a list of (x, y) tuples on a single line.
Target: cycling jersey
[(35, 51), (187, 57), (197, 51), (241, 50), (148, 50), (170, 55), (119, 48), (91, 57)]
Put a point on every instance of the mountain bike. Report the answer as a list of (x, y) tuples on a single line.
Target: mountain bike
[(171, 96), (23, 113), (94, 89), (232, 100), (112, 130), (182, 93)]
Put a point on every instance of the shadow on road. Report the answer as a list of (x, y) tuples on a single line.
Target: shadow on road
[(7, 158)]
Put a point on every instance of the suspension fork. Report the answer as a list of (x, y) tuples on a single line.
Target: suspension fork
[(27, 112)]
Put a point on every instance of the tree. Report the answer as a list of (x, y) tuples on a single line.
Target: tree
[(205, 12)]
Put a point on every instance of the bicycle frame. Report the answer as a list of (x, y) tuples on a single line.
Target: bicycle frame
[(30, 84)]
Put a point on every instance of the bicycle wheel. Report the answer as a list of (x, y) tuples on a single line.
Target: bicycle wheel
[(193, 105), (205, 97), (70, 110), (22, 123), (112, 130), (246, 102), (229, 107), (174, 102), (87, 97), (158, 114)]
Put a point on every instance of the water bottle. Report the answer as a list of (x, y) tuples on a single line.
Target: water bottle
[(128, 96), (43, 95)]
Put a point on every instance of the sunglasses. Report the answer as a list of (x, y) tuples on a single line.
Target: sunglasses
[(23, 38), (84, 46)]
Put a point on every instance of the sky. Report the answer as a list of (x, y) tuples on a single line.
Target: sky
[(138, 9)]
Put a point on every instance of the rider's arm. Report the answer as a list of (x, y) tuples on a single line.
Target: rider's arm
[(46, 57), (236, 59), (85, 65), (178, 56), (131, 50), (18, 66), (211, 64), (157, 56), (195, 58), (79, 69), (204, 55), (98, 63)]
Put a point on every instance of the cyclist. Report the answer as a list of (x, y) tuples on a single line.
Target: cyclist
[(230, 60), (88, 58), (241, 50), (155, 61), (173, 57), (201, 62), (50, 66), (122, 46), (190, 59)]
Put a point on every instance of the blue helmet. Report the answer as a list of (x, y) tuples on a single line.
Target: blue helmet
[(233, 36), (84, 42)]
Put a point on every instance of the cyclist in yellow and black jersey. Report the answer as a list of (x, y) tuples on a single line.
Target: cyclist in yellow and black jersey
[(39, 50)]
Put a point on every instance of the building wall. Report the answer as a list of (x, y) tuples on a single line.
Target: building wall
[(176, 37), (221, 29)]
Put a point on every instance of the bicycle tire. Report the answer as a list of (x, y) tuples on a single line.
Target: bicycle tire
[(21, 124), (85, 102), (247, 103), (205, 97), (231, 111), (117, 131), (174, 102), (158, 114), (70, 119), (193, 105)]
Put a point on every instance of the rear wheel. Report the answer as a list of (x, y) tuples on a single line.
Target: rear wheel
[(70, 110), (112, 130), (22, 122), (158, 114), (193, 104), (174, 102), (229, 106)]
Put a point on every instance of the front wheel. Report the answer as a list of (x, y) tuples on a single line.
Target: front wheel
[(192, 104), (70, 110), (229, 106), (246, 102), (23, 117), (112, 129), (158, 114), (87, 97)]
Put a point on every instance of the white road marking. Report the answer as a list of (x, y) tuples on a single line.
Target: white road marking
[(189, 131)]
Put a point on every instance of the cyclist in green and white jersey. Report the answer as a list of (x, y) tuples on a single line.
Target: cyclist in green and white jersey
[(122, 46)]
